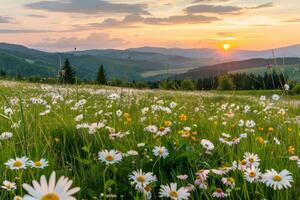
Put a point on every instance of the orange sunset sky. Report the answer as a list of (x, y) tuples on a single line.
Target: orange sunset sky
[(61, 25)]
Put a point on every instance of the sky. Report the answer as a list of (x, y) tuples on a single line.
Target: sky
[(62, 25)]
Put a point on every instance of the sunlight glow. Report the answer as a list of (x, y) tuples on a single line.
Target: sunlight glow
[(226, 46)]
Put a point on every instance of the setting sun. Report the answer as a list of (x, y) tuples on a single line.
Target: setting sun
[(226, 46)]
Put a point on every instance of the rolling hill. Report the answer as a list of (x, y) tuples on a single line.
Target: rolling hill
[(125, 64), (146, 63), (233, 55), (248, 66)]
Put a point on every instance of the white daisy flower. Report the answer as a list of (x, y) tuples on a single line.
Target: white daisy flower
[(51, 190), (151, 128), (170, 191), (7, 185), (286, 87), (218, 193), (275, 97), (40, 164), (228, 181), (277, 180), (6, 135), (252, 174), (208, 145), (18, 198), (18, 163), (160, 151), (110, 157), (182, 176), (252, 159), (142, 179)]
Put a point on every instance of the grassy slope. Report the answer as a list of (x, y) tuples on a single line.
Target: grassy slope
[(73, 152)]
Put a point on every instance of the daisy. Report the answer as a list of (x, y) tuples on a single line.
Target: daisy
[(7, 185), (163, 131), (40, 164), (242, 165), (182, 177), (18, 163), (221, 170), (275, 97), (6, 135), (228, 181), (110, 157), (170, 191), (151, 128), (277, 180), (142, 179), (51, 190), (218, 193), (252, 174), (208, 145), (252, 159), (160, 151), (294, 158), (18, 198), (298, 163), (203, 173), (201, 182)]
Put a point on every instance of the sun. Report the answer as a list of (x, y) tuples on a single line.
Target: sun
[(226, 46)]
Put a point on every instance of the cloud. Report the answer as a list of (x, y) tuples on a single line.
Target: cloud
[(132, 21), (23, 31), (200, 1), (265, 5), (93, 41), (294, 20), (88, 7), (225, 34), (196, 9), (4, 20), (37, 16)]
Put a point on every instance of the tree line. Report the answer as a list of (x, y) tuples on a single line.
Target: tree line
[(237, 81)]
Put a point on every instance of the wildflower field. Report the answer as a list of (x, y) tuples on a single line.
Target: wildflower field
[(87, 142)]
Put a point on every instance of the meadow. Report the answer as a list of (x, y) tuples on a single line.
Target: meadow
[(118, 143)]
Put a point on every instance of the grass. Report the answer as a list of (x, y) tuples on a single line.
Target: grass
[(73, 152)]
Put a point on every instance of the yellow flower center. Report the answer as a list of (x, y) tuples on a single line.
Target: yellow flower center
[(277, 178), (252, 174), (17, 163), (109, 158), (251, 160), (140, 179), (243, 162), (161, 151), (50, 196), (162, 128), (219, 190), (148, 188), (38, 164), (174, 194)]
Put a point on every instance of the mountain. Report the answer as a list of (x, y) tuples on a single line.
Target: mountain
[(239, 66), (146, 63), (124, 64), (233, 54)]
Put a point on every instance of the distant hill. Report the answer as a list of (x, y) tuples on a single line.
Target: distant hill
[(233, 55), (238, 66), (146, 63), (125, 64)]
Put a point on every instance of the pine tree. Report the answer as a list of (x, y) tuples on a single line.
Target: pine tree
[(68, 74), (101, 76)]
